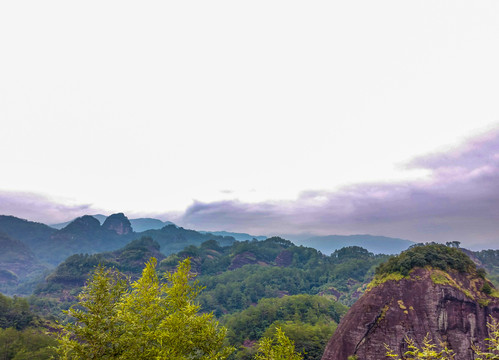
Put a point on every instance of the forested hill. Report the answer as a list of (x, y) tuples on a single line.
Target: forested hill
[(235, 276), (238, 278), (66, 280), (252, 287), (87, 235)]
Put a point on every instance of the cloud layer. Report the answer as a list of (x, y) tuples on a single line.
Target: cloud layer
[(36, 207), (459, 201)]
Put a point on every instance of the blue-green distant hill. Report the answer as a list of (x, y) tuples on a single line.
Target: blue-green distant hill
[(144, 224), (90, 234), (375, 244), (237, 236)]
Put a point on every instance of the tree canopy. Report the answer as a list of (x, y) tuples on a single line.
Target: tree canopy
[(151, 319)]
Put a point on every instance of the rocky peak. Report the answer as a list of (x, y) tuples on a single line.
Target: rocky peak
[(118, 223), (451, 306), (84, 223)]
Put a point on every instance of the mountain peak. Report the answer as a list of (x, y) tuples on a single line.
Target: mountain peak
[(85, 223), (118, 223)]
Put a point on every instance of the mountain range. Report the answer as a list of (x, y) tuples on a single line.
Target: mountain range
[(43, 247), (375, 244), (138, 224)]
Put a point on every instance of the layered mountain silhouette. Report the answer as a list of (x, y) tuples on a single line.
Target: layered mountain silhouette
[(375, 244), (88, 235), (237, 236)]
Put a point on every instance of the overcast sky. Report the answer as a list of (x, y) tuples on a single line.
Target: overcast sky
[(326, 117)]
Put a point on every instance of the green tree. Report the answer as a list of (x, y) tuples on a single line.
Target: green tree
[(151, 320), (280, 347), (429, 350), (493, 342)]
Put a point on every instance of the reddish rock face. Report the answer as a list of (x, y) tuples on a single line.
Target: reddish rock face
[(285, 258), (415, 307), (242, 259)]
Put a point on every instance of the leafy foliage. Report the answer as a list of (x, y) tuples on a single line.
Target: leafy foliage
[(152, 320), (493, 342), (21, 336), (15, 313), (430, 351), (26, 344), (309, 339), (279, 347), (426, 352)]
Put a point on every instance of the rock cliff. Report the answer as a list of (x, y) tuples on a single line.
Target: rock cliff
[(118, 223), (450, 306)]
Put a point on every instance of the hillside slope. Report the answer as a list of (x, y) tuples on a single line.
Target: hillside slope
[(18, 267)]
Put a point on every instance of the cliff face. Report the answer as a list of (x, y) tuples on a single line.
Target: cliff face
[(450, 307), (118, 223)]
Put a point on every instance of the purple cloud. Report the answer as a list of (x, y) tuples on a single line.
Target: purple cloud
[(460, 202), (36, 207)]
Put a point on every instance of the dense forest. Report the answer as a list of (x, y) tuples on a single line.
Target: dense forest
[(261, 291), (240, 281)]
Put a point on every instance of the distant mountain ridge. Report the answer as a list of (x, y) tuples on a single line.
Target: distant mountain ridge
[(92, 234), (144, 224), (237, 236), (375, 244), (29, 232)]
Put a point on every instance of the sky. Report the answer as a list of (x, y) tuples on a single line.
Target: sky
[(269, 117)]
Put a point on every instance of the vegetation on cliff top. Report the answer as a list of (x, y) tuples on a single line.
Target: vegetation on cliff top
[(437, 256)]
